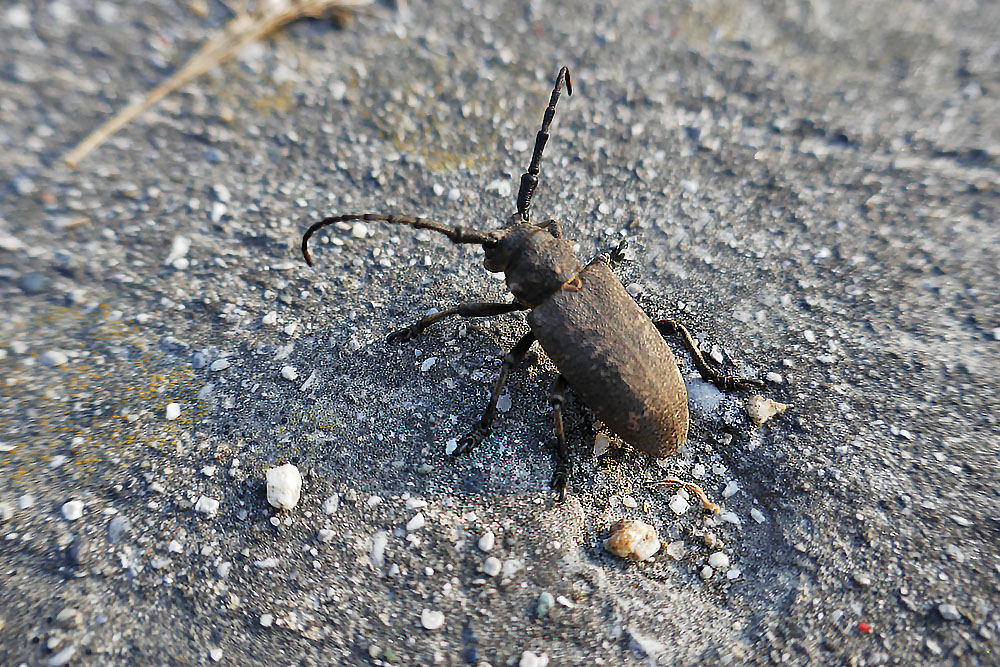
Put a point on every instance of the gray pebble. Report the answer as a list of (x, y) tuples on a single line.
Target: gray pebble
[(545, 604), (34, 282), (117, 527), (949, 612)]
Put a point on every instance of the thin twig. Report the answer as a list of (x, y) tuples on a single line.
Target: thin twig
[(693, 488), (244, 28)]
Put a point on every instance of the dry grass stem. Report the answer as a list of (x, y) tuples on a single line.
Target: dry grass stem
[(692, 488), (245, 27)]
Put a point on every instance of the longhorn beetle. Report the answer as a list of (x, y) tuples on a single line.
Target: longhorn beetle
[(605, 347)]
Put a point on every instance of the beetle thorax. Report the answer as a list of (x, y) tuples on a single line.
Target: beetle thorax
[(536, 263)]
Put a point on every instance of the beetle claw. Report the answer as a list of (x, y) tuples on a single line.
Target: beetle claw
[(401, 336), (472, 439)]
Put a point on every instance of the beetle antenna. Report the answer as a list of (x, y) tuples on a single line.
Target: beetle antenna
[(529, 179), (454, 233)]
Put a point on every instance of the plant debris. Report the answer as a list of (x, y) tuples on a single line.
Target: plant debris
[(247, 26)]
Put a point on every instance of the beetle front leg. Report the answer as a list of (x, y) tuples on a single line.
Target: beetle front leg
[(482, 429), (564, 465), (724, 382), (470, 309)]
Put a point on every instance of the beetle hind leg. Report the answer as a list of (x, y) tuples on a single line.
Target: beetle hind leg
[(564, 465), (724, 382), (479, 432)]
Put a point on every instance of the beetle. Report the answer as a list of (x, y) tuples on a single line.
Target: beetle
[(605, 347)]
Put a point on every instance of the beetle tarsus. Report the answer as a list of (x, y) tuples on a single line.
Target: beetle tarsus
[(471, 440)]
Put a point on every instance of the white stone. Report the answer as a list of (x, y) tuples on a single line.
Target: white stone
[(719, 560), (289, 373), (284, 485), (679, 505), (431, 620), (72, 510), (52, 358), (529, 659), (757, 515), (730, 490), (487, 541), (172, 412), (207, 506), (219, 365), (492, 566), (416, 523)]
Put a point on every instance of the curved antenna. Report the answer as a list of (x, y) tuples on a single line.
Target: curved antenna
[(455, 234), (529, 179)]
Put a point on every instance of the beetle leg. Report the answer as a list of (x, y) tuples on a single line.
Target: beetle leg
[(470, 309), (613, 257), (724, 382), (564, 465), (482, 429), (552, 227)]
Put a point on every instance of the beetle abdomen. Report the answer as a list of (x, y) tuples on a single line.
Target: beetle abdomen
[(615, 360)]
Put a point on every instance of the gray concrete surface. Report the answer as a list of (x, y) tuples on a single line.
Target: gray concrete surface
[(811, 186)]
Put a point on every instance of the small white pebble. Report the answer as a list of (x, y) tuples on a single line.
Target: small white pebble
[(331, 504), (730, 490), (706, 572), (270, 319), (757, 515), (209, 471), (53, 358), (175, 547), (284, 486), (373, 500), (679, 505), (492, 566), (427, 363), (173, 411), (774, 378), (676, 550), (949, 612), (289, 373), (733, 574), (207, 506), (630, 502), (730, 517), (359, 230), (224, 568), (431, 620), (487, 541), (215, 654), (761, 409), (529, 659), (27, 501), (326, 534), (266, 620), (267, 563), (219, 365), (72, 510), (719, 560), (416, 523), (698, 472)]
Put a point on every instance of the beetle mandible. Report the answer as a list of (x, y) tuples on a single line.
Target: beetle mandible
[(604, 346)]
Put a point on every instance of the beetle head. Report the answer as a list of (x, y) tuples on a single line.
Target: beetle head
[(536, 263)]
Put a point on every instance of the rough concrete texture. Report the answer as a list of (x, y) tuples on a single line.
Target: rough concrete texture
[(811, 186)]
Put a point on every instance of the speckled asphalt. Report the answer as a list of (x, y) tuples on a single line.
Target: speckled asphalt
[(811, 186)]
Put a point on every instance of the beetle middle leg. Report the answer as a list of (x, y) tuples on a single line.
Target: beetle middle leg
[(470, 309), (724, 382), (482, 429), (564, 465)]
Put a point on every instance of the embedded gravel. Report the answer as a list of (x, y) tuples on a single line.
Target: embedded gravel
[(811, 187)]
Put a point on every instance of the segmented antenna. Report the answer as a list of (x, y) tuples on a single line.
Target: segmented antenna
[(454, 233), (529, 179)]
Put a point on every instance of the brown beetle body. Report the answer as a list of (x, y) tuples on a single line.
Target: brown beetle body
[(605, 347), (617, 362)]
